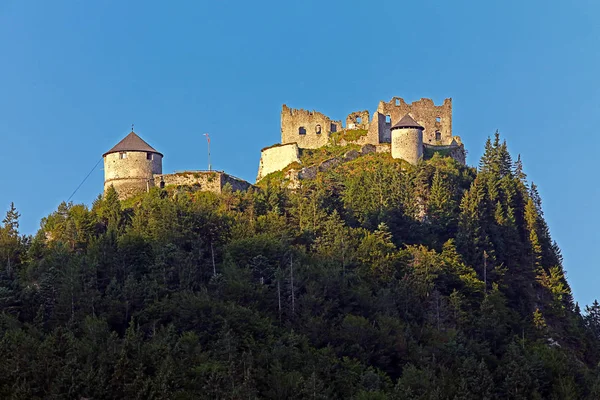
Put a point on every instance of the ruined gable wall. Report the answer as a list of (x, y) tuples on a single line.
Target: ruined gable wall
[(425, 112), (311, 122), (276, 158), (379, 130), (352, 120)]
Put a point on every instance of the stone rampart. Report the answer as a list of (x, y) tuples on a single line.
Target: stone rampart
[(212, 181), (276, 158)]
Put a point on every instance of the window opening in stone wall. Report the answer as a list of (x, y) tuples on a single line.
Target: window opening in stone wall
[(148, 156), (318, 129), (438, 119), (397, 102), (388, 119), (358, 120), (438, 135), (333, 128), (302, 130), (122, 155)]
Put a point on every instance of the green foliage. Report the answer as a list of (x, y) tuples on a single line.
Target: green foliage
[(310, 157), (375, 280), (347, 135), (431, 151)]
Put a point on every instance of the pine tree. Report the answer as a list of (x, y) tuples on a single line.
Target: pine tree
[(592, 319), (111, 208), (531, 220)]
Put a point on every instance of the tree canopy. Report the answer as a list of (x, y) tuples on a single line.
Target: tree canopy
[(375, 280)]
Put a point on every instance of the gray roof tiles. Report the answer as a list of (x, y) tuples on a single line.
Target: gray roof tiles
[(407, 122), (132, 142)]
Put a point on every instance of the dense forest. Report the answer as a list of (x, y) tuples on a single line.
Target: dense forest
[(376, 280)]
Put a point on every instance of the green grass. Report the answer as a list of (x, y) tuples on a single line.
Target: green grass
[(349, 135), (316, 156)]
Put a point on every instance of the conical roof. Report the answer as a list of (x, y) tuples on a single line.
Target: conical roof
[(407, 122), (132, 142)]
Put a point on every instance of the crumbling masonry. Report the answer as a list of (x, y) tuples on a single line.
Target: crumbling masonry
[(428, 127)]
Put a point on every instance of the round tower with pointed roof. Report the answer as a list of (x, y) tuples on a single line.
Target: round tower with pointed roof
[(130, 166), (407, 140)]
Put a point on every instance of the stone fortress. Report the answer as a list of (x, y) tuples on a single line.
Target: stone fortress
[(407, 131), (133, 166)]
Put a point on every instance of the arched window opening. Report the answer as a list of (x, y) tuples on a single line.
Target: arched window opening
[(438, 135), (318, 129)]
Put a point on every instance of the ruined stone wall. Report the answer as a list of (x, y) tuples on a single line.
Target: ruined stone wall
[(456, 150), (309, 129), (433, 118), (276, 158), (237, 184), (379, 129), (407, 144), (358, 120), (212, 181), (132, 174)]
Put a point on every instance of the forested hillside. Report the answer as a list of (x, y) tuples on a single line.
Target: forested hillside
[(376, 280)]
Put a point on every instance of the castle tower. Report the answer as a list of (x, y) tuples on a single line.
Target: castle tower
[(130, 166), (407, 140)]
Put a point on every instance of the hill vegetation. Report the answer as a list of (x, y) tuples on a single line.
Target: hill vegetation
[(376, 280)]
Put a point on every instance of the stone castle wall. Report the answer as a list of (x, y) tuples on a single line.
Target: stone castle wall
[(312, 129), (379, 129), (309, 129), (407, 144), (276, 158), (456, 150), (212, 181), (358, 120), (433, 118), (132, 174)]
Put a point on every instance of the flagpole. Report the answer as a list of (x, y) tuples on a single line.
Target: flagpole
[(208, 141)]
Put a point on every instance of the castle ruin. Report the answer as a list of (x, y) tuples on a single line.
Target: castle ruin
[(132, 166), (406, 130)]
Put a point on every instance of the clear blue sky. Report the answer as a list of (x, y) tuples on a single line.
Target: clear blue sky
[(74, 76)]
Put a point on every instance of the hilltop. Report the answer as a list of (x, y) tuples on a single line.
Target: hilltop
[(372, 278)]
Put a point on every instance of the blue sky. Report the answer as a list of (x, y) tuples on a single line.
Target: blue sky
[(74, 76)]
